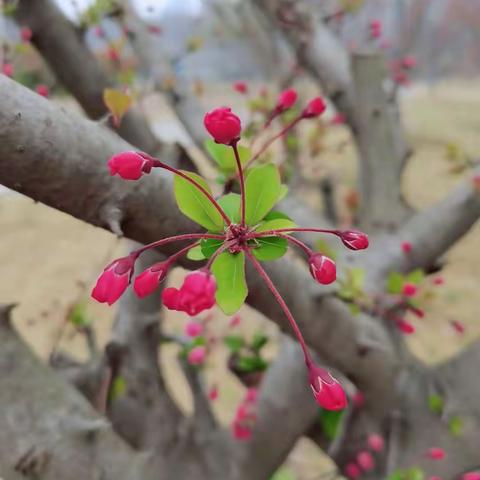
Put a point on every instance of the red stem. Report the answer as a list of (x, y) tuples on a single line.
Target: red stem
[(159, 164), (181, 252), (186, 236), (271, 140), (297, 242), (242, 180), (288, 230), (283, 305)]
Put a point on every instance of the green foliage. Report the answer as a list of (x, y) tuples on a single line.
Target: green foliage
[(196, 253), (435, 403), (263, 189), (94, 14), (229, 272), (275, 224), (194, 204), (224, 156), (351, 287), (258, 342), (78, 316), (455, 425), (118, 388), (283, 474), (209, 246), (251, 363), (234, 343), (231, 206), (330, 420), (396, 281), (413, 473), (270, 248)]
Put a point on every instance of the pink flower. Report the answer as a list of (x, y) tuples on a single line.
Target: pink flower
[(339, 119), (195, 295), (148, 281), (42, 90), (375, 28), (286, 100), (193, 329), (223, 125), (322, 268), (240, 87), (114, 280), (409, 290), (409, 61), (354, 240), (197, 355), (7, 69), (376, 442), (314, 108), (436, 453), (404, 326), (365, 461), (25, 34), (406, 247), (435, 477), (438, 280), (213, 393), (129, 165), (352, 471), (327, 391), (471, 476), (235, 321), (241, 431), (459, 327)]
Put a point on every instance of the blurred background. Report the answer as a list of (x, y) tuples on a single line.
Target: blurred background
[(50, 261)]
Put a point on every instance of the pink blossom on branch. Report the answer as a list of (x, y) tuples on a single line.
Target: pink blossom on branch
[(223, 125), (352, 471), (194, 329), (42, 90), (114, 280), (436, 453), (7, 69), (322, 268), (354, 239), (286, 100), (376, 442), (149, 280), (328, 392), (240, 87), (314, 108), (365, 461), (129, 165), (195, 295), (197, 355)]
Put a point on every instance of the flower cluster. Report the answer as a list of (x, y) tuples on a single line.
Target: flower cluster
[(364, 460), (245, 416), (239, 227)]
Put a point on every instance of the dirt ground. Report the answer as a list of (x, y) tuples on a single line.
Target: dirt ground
[(50, 260)]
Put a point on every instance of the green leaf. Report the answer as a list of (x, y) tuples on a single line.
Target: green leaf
[(275, 214), (416, 276), (283, 192), (330, 421), (225, 157), (262, 190), (435, 403), (209, 246), (414, 473), (234, 343), (283, 474), (229, 271), (196, 253), (270, 248), (78, 316), (251, 364), (194, 204), (231, 206), (275, 224), (455, 425), (259, 341), (396, 475), (357, 277), (118, 388), (395, 283)]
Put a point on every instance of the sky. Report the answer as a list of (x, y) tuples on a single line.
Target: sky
[(146, 8)]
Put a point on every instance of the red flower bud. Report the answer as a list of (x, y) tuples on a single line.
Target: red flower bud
[(409, 62), (129, 165), (406, 247), (240, 87), (314, 108), (286, 100), (352, 471), (197, 355), (409, 290), (193, 329), (327, 391), (42, 90), (322, 268), (148, 281), (7, 69), (354, 239), (114, 280), (436, 453), (223, 125), (404, 326), (471, 476), (339, 119), (376, 442), (26, 34), (459, 327), (375, 28), (195, 295), (365, 461)]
